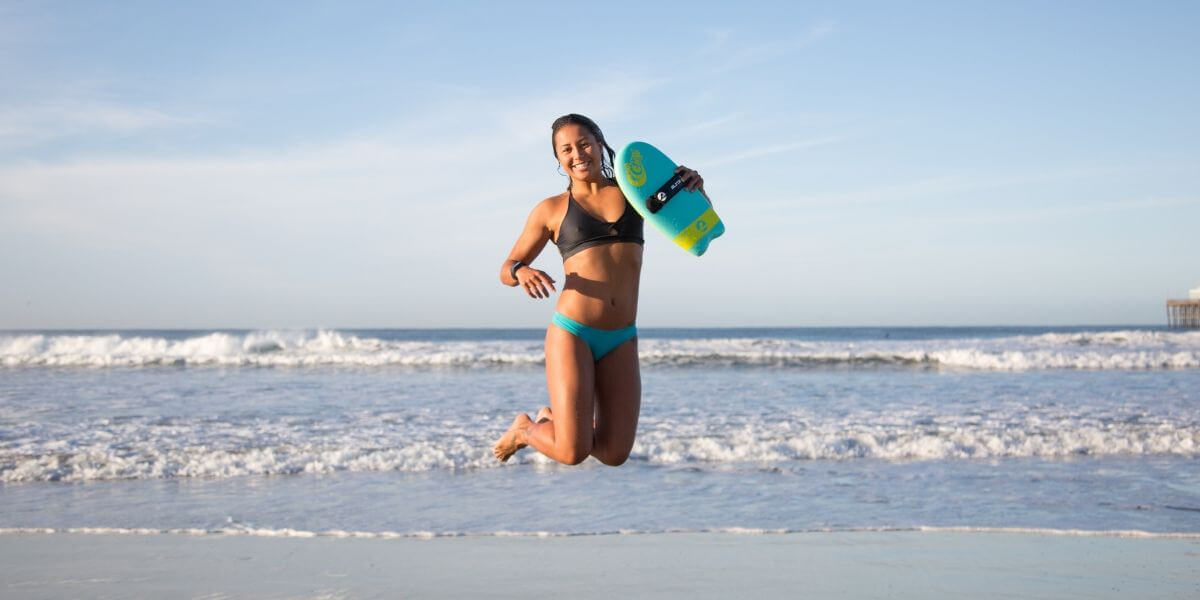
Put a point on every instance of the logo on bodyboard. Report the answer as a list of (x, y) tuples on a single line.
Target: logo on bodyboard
[(635, 171)]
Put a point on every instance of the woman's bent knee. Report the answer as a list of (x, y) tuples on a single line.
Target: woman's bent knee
[(575, 457), (612, 458), (576, 453), (615, 461)]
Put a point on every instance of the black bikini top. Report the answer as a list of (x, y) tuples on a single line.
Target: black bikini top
[(580, 230)]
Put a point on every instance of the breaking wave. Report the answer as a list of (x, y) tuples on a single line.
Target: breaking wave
[(1133, 349), (153, 449)]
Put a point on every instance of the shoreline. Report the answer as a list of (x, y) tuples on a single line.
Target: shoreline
[(719, 531)]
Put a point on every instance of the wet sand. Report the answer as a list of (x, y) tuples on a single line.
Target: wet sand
[(709, 565)]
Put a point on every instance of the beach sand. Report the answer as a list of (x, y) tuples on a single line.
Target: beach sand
[(661, 565)]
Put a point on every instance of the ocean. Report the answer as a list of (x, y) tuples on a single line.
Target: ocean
[(388, 433)]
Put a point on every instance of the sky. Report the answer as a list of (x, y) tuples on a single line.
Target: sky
[(361, 164)]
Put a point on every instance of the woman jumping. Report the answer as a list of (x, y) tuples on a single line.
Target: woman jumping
[(592, 373)]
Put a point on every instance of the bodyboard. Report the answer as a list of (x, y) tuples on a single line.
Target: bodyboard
[(647, 178)]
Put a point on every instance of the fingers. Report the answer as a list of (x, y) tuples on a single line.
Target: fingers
[(541, 281), (691, 179), (535, 284), (534, 288)]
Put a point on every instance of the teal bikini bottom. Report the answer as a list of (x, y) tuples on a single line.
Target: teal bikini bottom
[(601, 341)]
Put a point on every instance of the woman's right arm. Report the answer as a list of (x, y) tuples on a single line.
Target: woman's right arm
[(528, 246)]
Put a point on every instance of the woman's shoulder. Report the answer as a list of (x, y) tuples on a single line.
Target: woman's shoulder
[(551, 205), (545, 214)]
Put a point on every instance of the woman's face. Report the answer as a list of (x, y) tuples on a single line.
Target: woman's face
[(578, 152)]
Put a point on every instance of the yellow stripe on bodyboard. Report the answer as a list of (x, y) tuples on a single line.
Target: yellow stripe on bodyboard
[(697, 229)]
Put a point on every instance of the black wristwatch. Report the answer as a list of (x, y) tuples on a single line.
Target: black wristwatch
[(512, 271)]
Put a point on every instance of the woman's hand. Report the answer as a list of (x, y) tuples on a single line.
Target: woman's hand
[(691, 179), (535, 282)]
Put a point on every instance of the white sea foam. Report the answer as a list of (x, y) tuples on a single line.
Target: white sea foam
[(774, 444), (740, 531), (1118, 533), (1098, 350), (100, 450), (1131, 349), (271, 348)]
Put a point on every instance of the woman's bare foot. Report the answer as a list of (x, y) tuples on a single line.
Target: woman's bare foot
[(544, 414), (510, 442)]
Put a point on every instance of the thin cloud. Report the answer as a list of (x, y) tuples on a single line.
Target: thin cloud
[(773, 149), (1058, 212), (611, 95), (735, 56), (712, 123), (368, 183), (949, 184), (32, 125)]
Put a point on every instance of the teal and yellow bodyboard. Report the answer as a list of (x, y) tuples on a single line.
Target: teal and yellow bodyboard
[(648, 180)]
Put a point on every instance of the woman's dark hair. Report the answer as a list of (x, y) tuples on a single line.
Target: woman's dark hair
[(606, 169)]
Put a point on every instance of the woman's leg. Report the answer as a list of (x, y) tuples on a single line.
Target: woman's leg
[(618, 403), (570, 381)]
